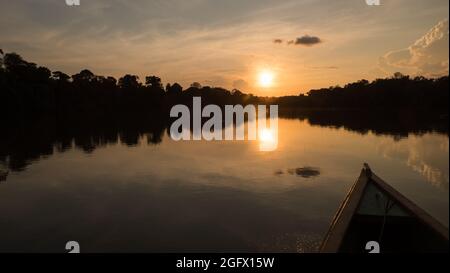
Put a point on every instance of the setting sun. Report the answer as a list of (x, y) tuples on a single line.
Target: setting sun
[(265, 78)]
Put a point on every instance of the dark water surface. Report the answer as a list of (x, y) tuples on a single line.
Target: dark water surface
[(145, 192)]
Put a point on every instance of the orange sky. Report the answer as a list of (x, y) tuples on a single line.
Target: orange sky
[(301, 44)]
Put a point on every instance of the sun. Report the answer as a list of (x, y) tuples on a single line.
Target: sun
[(265, 78)]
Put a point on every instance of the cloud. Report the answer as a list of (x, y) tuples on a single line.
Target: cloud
[(427, 56), (307, 40)]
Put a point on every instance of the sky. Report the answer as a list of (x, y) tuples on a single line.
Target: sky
[(293, 45)]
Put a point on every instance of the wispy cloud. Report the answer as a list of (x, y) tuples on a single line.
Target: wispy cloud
[(427, 56)]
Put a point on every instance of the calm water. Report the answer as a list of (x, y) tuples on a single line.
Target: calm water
[(211, 196)]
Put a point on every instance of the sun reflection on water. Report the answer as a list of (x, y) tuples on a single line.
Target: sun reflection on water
[(268, 139)]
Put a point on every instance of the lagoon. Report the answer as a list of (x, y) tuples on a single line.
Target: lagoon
[(147, 193)]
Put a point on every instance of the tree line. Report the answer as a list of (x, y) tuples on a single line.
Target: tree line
[(26, 88)]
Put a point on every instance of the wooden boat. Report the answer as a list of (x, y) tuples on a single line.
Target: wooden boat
[(372, 212)]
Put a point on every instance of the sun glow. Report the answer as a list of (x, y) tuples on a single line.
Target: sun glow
[(268, 140), (265, 78), (265, 135)]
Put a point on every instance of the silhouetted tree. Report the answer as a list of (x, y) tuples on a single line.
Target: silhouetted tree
[(174, 89), (129, 82), (153, 82), (398, 75), (84, 76), (13, 60), (1, 59), (60, 76), (196, 85)]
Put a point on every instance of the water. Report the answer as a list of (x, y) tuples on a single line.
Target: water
[(128, 194)]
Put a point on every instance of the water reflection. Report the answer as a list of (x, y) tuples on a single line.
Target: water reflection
[(305, 172), (426, 155), (126, 186), (390, 122), (268, 139), (25, 142)]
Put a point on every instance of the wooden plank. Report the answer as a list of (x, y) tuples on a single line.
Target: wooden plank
[(341, 221)]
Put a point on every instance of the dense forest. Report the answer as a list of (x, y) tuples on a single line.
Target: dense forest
[(26, 88)]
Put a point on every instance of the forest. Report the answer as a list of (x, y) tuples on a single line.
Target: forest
[(29, 89)]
